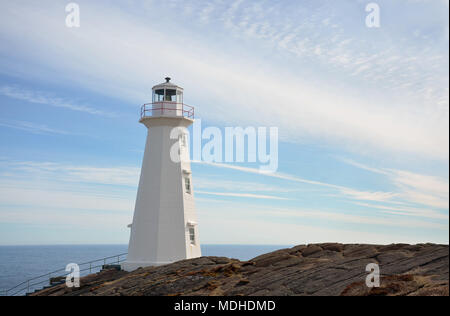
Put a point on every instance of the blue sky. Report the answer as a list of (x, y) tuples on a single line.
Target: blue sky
[(362, 115)]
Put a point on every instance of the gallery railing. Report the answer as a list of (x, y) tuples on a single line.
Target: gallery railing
[(167, 108)]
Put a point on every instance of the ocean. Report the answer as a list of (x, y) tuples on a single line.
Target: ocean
[(20, 263)]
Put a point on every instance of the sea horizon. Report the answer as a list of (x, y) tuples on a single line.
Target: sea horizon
[(18, 263)]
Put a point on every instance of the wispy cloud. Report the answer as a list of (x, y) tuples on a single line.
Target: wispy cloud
[(66, 219), (406, 211), (66, 195), (212, 183), (121, 176), (423, 189), (39, 97), (318, 32), (277, 175), (357, 219), (343, 191), (362, 166), (50, 196), (370, 196), (243, 195), (36, 190), (418, 188), (31, 127), (412, 189), (299, 225), (413, 119)]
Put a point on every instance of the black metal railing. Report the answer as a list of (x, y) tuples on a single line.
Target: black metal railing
[(44, 280)]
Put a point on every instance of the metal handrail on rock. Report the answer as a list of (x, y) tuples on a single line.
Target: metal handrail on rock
[(59, 276)]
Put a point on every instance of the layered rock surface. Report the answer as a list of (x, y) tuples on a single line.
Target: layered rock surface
[(317, 269)]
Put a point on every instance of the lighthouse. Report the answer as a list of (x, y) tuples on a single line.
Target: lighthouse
[(164, 227)]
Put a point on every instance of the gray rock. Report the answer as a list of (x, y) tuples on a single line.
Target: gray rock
[(322, 269)]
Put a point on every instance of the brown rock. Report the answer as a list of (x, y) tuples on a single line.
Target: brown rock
[(323, 269), (311, 249), (332, 247)]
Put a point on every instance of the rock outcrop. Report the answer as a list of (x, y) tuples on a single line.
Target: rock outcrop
[(319, 269)]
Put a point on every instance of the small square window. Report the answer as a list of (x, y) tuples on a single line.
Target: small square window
[(192, 235), (187, 185), (183, 143)]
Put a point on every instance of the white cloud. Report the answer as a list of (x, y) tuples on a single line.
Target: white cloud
[(369, 196), (257, 225), (122, 176), (243, 195), (66, 195), (60, 199), (28, 183), (380, 58), (31, 127), (423, 189), (221, 184), (80, 219), (277, 175), (305, 108), (49, 193), (39, 97), (343, 191), (413, 187), (407, 211), (356, 219), (363, 166)]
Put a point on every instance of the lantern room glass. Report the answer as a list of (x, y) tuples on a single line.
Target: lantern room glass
[(167, 95), (158, 95), (171, 95)]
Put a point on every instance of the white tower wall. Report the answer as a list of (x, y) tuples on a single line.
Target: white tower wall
[(164, 211)]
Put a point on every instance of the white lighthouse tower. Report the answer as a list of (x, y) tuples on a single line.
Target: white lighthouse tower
[(164, 228)]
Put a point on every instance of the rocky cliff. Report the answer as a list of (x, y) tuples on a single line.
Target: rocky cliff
[(319, 269)]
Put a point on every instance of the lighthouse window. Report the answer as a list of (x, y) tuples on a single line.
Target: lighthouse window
[(187, 185), (184, 140), (171, 95), (158, 95), (192, 235)]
